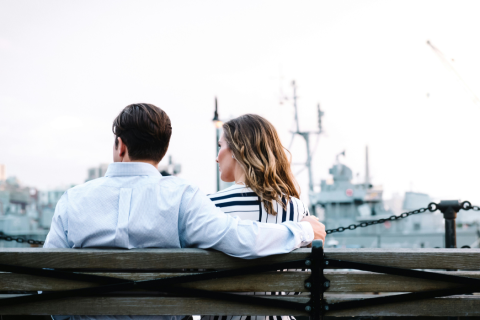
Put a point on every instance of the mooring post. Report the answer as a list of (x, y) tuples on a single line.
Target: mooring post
[(449, 209)]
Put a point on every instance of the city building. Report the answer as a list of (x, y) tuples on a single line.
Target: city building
[(25, 211), (97, 172)]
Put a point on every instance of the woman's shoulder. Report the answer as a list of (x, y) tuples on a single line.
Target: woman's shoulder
[(238, 200), (236, 189)]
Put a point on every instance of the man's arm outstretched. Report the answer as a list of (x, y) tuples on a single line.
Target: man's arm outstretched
[(203, 225)]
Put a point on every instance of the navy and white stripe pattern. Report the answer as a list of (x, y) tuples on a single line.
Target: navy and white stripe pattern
[(241, 201)]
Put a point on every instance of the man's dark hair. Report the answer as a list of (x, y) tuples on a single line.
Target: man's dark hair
[(145, 129)]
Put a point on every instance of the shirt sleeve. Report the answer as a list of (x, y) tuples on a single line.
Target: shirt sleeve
[(57, 236), (202, 225)]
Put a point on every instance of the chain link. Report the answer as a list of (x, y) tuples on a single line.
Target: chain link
[(466, 205), (19, 239)]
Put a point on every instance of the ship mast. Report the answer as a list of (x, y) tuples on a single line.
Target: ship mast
[(306, 137)]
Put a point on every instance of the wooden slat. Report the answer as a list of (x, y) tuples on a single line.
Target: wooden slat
[(207, 259), (143, 259), (411, 258), (351, 281), (452, 306), (356, 281), (273, 281), (144, 306)]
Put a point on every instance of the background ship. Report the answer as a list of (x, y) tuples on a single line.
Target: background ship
[(343, 203)]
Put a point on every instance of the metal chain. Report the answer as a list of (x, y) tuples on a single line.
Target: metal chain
[(432, 207), (19, 239), (466, 205)]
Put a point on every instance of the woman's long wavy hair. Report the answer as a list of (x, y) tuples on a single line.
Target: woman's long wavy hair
[(256, 146)]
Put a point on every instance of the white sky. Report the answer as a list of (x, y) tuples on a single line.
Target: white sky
[(68, 67)]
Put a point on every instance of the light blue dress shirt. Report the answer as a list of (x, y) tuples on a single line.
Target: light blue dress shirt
[(134, 206)]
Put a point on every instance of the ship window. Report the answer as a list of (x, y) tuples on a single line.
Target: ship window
[(416, 226)]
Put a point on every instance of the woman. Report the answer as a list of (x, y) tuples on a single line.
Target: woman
[(252, 156)]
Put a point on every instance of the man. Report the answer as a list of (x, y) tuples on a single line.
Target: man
[(133, 206)]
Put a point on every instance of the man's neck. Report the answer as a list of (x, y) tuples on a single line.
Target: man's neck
[(153, 163)]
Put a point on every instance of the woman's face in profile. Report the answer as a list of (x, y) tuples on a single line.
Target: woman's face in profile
[(226, 162)]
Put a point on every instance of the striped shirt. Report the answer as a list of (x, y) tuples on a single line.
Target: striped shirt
[(243, 202)]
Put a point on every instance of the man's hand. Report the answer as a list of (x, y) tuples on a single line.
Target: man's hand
[(318, 228)]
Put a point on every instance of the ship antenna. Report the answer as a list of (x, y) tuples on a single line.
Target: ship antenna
[(367, 169), (295, 105)]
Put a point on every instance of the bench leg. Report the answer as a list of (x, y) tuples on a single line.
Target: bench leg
[(317, 282)]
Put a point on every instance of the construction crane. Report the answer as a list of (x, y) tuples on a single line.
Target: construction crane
[(447, 63)]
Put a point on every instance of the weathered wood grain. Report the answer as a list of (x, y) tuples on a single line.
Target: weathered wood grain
[(454, 306), (340, 281), (140, 259), (451, 306), (144, 306), (145, 259), (411, 258), (358, 281), (272, 281)]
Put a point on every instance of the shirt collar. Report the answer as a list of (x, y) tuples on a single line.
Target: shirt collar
[(131, 169)]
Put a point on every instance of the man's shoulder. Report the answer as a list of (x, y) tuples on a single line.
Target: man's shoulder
[(165, 183), (175, 182), (85, 186)]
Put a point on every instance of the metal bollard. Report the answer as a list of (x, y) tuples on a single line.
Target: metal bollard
[(449, 209)]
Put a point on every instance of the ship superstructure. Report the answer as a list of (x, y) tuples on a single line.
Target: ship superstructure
[(342, 203)]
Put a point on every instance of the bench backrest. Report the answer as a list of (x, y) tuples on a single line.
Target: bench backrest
[(343, 285)]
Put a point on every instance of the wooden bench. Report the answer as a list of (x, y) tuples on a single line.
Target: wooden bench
[(335, 284)]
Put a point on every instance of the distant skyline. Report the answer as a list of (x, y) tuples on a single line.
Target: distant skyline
[(68, 68)]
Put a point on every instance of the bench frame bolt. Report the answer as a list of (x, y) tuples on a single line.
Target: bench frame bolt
[(308, 262), (308, 308), (308, 285)]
